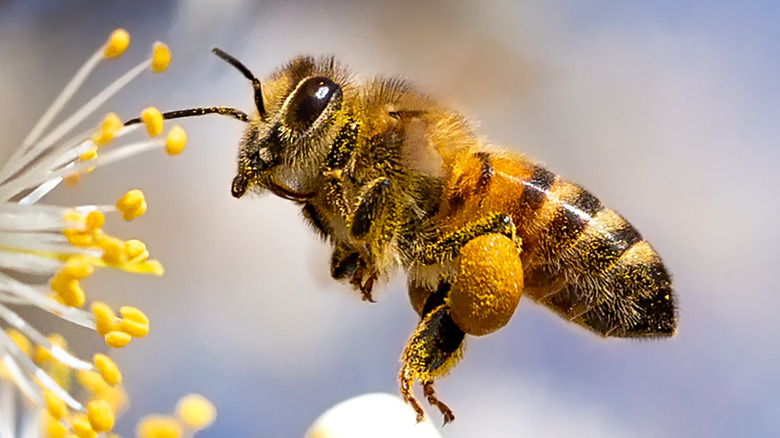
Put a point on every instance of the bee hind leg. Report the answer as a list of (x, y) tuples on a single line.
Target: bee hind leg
[(433, 349), (430, 394), (449, 246)]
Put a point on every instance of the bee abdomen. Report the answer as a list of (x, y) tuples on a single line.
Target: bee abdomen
[(581, 259), (591, 266)]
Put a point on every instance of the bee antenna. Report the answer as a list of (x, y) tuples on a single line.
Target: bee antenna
[(223, 110), (247, 73)]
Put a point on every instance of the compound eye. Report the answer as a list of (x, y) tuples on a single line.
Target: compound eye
[(310, 100)]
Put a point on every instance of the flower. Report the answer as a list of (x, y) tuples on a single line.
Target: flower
[(46, 250), (376, 415)]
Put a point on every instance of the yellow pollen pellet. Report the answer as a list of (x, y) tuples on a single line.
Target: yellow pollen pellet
[(53, 427), (113, 251), (161, 57), (158, 426), (100, 415), (153, 120), (89, 154), (107, 369), (94, 220), (78, 267), (135, 251), (20, 340), (117, 339), (71, 180), (196, 411), (175, 140), (133, 314), (56, 407), (82, 428), (105, 319), (132, 204), (108, 128), (117, 43)]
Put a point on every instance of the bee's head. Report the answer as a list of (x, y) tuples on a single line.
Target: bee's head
[(287, 140)]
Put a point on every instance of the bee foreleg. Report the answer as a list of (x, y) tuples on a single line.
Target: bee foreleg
[(369, 207), (339, 155), (433, 349), (448, 247)]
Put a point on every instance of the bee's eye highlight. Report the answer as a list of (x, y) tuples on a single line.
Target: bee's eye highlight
[(310, 100)]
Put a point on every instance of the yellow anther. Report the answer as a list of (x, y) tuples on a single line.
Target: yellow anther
[(175, 140), (92, 382), (113, 250), (82, 428), (135, 251), (69, 290), (43, 356), (133, 314), (56, 407), (196, 411), (77, 267), (20, 340), (153, 120), (117, 339), (134, 329), (108, 127), (161, 57), (117, 43), (107, 369), (53, 428), (105, 319), (132, 204), (71, 180), (94, 220), (73, 216), (114, 395), (89, 154), (78, 238), (158, 426), (100, 415)]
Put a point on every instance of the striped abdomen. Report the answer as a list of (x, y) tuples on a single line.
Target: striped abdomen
[(580, 258)]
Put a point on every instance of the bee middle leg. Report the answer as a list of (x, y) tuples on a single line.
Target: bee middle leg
[(346, 262)]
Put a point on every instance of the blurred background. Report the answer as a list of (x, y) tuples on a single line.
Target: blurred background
[(668, 111)]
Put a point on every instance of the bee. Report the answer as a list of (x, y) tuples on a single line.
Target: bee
[(392, 179)]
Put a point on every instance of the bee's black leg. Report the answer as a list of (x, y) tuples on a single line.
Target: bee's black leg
[(434, 348), (369, 207), (336, 162), (448, 247)]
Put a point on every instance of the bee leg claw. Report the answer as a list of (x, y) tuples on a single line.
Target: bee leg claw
[(430, 395), (367, 288), (407, 381)]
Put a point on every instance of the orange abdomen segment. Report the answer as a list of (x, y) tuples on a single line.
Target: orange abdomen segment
[(579, 258)]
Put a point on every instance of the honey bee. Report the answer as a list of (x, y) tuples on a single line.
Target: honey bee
[(394, 180)]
